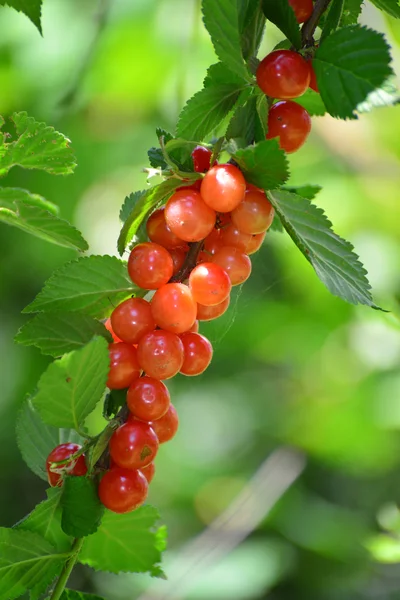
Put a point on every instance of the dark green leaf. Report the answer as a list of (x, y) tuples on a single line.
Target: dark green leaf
[(206, 109), (45, 519), (252, 24), (264, 165), (58, 333), (114, 400), (262, 121), (282, 15), (71, 386), (19, 209), (391, 7), (242, 124), (349, 65), (156, 158), (130, 202), (306, 191), (127, 542), (31, 8), (73, 595), (81, 508), (142, 205), (93, 285), (221, 18), (333, 259), (333, 19), (163, 133), (37, 146), (179, 152), (27, 562), (36, 439), (313, 103)]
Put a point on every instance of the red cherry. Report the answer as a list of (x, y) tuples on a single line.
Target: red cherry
[(201, 159), (123, 490), (283, 74), (166, 427), (149, 472), (223, 188), (254, 214), (159, 232), (75, 467), (148, 399), (302, 9), (132, 319), (209, 284), (290, 123), (313, 78), (173, 307), (133, 445), (108, 326), (234, 262), (178, 256), (198, 353), (124, 366), (160, 354), (150, 265), (188, 216), (209, 313)]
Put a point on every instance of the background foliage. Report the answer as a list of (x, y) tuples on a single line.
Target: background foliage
[(293, 365)]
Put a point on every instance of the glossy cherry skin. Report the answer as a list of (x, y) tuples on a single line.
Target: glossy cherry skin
[(302, 9), (188, 216), (159, 232), (160, 354), (149, 472), (209, 313), (201, 159), (133, 445), (123, 490), (223, 188), (254, 214), (283, 74), (148, 399), (166, 427), (313, 78), (63, 452), (231, 236), (132, 319), (209, 284), (290, 123), (234, 262), (150, 265), (174, 308), (124, 366), (198, 353)]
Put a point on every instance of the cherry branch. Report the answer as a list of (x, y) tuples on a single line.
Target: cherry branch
[(310, 26), (190, 262)]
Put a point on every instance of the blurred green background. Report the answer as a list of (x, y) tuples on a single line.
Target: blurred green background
[(293, 366)]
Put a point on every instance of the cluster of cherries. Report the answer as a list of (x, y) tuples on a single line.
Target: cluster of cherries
[(284, 75), (199, 248)]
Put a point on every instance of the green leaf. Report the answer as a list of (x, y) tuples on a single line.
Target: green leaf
[(306, 191), (58, 333), (81, 508), (9, 195), (73, 595), (206, 109), (349, 65), (31, 8), (156, 158), (333, 19), (351, 12), (391, 7), (221, 18), (141, 205), (262, 121), (37, 146), (242, 124), (252, 24), (93, 285), (45, 519), (27, 562), (264, 165), (127, 542), (332, 257), (282, 15), (18, 209), (219, 73), (387, 95), (36, 439), (313, 103), (71, 386)]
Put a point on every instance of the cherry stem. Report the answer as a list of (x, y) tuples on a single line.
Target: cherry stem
[(310, 26), (190, 262), (67, 569)]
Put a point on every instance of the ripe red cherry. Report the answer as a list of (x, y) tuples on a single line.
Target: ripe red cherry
[(254, 214), (178, 256), (302, 9), (223, 188), (174, 308), (159, 232), (148, 399), (212, 243), (232, 236), (201, 159), (209, 284), (108, 326), (194, 328), (123, 490), (289, 122), (209, 313), (283, 74), (166, 427), (133, 445), (75, 467), (234, 262), (149, 472), (313, 78), (124, 366), (188, 216), (198, 353), (150, 265), (160, 354), (132, 319)]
